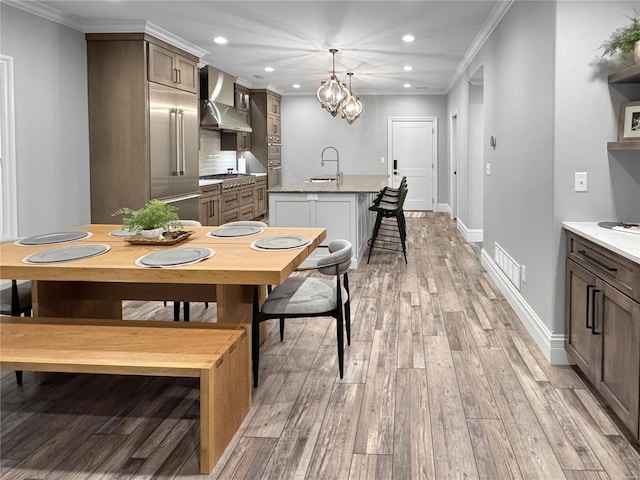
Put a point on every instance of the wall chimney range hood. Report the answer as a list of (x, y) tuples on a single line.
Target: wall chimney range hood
[(216, 108)]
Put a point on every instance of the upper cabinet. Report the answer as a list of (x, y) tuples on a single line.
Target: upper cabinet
[(629, 78), (265, 121), (240, 141), (173, 69)]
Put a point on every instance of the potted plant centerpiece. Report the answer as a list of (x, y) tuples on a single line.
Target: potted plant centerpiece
[(625, 39), (152, 220)]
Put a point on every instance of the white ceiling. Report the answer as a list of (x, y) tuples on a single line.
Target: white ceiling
[(294, 37)]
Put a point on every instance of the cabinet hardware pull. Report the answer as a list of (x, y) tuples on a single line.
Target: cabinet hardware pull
[(596, 261), (588, 310), (178, 76), (593, 311)]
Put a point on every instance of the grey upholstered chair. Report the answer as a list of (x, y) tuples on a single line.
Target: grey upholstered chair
[(15, 300), (302, 297)]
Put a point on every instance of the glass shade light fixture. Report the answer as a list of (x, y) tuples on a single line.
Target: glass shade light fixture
[(352, 107), (332, 94)]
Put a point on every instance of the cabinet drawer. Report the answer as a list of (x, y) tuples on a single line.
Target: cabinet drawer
[(246, 196), (611, 267), (210, 189), (246, 212), (232, 215), (230, 200)]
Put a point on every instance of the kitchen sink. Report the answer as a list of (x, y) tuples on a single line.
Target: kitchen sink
[(322, 179)]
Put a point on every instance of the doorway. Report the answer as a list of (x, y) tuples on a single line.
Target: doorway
[(453, 162), (412, 148)]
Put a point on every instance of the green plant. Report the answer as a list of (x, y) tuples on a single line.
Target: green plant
[(155, 214), (623, 39)]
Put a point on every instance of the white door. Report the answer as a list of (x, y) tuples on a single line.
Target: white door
[(412, 155)]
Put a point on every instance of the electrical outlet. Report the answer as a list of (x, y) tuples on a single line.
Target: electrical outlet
[(580, 182), (488, 169), (523, 274)]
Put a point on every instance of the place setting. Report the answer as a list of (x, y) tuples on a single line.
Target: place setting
[(235, 231), (175, 257), (67, 254), (280, 242), (53, 238)]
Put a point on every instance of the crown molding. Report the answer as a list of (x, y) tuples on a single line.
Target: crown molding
[(128, 26), (492, 22), (244, 82)]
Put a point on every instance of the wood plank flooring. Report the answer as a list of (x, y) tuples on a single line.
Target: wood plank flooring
[(441, 381)]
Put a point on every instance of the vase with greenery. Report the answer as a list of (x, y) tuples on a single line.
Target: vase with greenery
[(625, 39), (151, 220)]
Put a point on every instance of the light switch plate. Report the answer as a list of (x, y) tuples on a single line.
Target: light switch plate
[(381, 159), (488, 169), (580, 182)]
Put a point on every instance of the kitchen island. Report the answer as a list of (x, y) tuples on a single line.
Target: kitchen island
[(342, 208)]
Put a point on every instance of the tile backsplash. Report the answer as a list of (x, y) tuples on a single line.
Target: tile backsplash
[(212, 158)]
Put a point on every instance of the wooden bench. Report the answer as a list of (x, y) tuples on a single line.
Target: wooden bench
[(219, 355)]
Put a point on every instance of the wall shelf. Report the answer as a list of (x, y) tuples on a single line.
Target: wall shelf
[(628, 75), (626, 145)]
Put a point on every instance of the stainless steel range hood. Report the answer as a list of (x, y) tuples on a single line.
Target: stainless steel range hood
[(216, 105)]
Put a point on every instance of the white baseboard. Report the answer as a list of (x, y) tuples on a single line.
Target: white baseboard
[(470, 235), (551, 344), (443, 207)]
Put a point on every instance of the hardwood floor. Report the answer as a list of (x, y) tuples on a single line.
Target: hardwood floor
[(441, 381)]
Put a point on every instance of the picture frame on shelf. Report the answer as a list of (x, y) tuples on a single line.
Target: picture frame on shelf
[(629, 122)]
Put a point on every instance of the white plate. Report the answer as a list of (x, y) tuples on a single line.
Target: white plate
[(121, 232), (174, 257), (239, 231), (52, 238), (67, 254), (282, 242)]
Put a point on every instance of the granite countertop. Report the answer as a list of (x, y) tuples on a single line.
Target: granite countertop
[(623, 243), (349, 184)]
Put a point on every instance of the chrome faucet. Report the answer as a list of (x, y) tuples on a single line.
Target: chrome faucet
[(337, 160)]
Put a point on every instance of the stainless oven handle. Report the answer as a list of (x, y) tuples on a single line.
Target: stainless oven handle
[(275, 168)]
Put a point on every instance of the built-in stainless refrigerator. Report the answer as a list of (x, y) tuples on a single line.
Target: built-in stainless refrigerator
[(173, 148)]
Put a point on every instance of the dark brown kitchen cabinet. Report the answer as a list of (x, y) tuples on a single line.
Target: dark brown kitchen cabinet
[(167, 67), (602, 323), (266, 124), (210, 205), (260, 197), (239, 141), (273, 104)]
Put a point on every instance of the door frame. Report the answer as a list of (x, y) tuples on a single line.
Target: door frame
[(8, 171), (453, 161), (434, 153)]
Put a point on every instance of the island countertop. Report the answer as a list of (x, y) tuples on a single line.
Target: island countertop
[(349, 184)]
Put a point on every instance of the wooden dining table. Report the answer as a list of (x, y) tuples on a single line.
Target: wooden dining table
[(95, 287)]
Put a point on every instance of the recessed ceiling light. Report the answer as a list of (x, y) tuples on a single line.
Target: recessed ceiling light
[(268, 69), (407, 85), (408, 38), (407, 68), (295, 85), (220, 40)]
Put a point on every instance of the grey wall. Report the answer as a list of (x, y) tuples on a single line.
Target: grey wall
[(547, 101), (586, 118), (52, 136), (518, 71), (307, 129)]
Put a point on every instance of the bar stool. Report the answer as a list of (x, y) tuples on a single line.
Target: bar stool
[(389, 204), (15, 300)]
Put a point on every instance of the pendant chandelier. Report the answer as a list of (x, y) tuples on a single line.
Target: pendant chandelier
[(352, 107), (332, 94)]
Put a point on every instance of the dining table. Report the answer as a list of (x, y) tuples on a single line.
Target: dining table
[(95, 287)]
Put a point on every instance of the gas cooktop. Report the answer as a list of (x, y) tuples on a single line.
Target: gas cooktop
[(222, 176)]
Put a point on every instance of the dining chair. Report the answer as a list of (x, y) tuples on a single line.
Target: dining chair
[(308, 296), (15, 300), (176, 305)]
